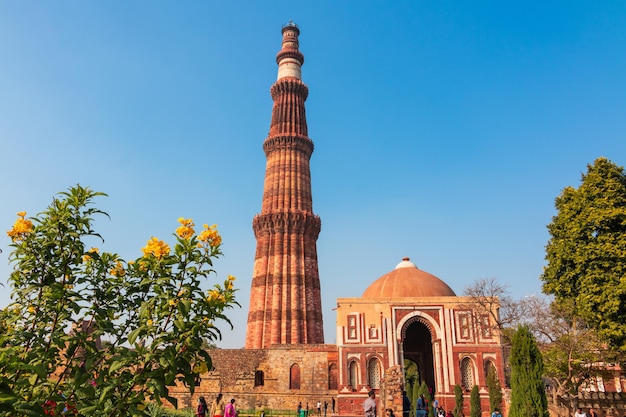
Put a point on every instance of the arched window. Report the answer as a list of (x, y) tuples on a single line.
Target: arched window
[(373, 373), (259, 379), (489, 365), (467, 373), (333, 377), (294, 376), (353, 375)]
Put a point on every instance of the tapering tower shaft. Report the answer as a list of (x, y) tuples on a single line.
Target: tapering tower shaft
[(285, 299)]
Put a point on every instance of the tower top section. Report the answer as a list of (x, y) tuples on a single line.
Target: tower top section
[(290, 59)]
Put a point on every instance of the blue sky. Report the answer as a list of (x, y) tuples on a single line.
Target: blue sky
[(443, 130)]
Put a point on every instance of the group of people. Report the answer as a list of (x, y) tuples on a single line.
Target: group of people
[(421, 408), (580, 413), (318, 406), (218, 408)]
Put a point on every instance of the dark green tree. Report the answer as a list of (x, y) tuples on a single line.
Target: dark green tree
[(528, 396), (415, 395), (411, 381), (494, 388), (475, 410), (458, 401), (586, 252)]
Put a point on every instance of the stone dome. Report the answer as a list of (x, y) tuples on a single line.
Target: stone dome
[(407, 280)]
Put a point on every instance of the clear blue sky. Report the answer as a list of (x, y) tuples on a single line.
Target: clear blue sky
[(443, 130)]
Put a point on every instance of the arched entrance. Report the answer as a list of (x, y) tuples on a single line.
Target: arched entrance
[(418, 348)]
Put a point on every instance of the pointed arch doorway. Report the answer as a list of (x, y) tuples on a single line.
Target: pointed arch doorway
[(417, 347)]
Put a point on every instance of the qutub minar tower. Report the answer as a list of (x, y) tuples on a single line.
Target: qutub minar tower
[(285, 300)]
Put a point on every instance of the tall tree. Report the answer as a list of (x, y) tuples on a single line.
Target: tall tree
[(572, 352), (586, 252), (528, 396), (411, 382), (495, 390), (415, 395), (475, 409), (458, 401), (137, 326)]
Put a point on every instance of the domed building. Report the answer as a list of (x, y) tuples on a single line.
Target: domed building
[(410, 314)]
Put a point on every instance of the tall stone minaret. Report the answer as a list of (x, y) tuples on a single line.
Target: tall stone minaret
[(285, 301)]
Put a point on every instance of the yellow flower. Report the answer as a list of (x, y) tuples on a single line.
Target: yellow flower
[(118, 270), (31, 309), (215, 295), (228, 284), (156, 248), (210, 236), (200, 368), (149, 322), (21, 228), (87, 256), (186, 230), (172, 302)]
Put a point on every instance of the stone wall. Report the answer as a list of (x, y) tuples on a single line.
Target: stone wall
[(606, 404), (234, 376)]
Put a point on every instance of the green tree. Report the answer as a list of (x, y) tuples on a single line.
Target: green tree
[(458, 401), (572, 352), (415, 395), (494, 388), (411, 380), (99, 334), (586, 253), (475, 409), (528, 396)]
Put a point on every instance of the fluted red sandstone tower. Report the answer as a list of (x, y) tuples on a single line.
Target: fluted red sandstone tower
[(285, 301)]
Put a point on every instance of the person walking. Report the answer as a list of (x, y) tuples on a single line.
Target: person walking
[(406, 405), (202, 407), (229, 409), (369, 405), (422, 407), (217, 406)]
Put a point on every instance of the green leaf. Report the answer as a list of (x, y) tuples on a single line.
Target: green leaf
[(132, 336), (184, 306)]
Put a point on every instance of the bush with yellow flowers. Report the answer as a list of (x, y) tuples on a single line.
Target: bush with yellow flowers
[(94, 334)]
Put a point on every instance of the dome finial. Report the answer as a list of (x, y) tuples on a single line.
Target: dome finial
[(406, 263)]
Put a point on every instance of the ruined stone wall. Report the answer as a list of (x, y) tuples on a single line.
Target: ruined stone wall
[(234, 376)]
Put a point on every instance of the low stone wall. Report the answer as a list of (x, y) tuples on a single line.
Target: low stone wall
[(606, 404)]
